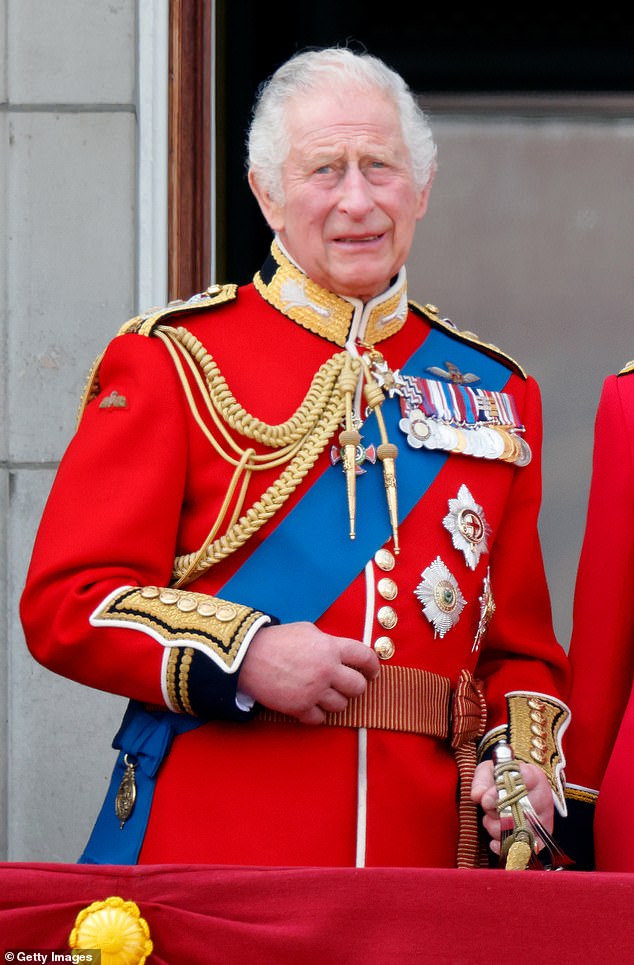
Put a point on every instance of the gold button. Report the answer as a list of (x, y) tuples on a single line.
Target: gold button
[(186, 604), (150, 592), (168, 596), (387, 617), (384, 560), (226, 613), (387, 588), (384, 648), (206, 608), (538, 756)]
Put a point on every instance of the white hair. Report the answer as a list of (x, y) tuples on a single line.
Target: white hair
[(268, 140)]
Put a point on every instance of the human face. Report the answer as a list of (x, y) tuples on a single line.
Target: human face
[(350, 201)]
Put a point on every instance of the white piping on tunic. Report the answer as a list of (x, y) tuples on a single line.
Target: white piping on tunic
[(357, 328), (362, 750)]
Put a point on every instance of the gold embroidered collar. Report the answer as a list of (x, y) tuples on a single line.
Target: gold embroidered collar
[(283, 285)]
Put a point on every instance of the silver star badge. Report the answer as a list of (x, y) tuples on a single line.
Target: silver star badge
[(440, 595), (468, 527)]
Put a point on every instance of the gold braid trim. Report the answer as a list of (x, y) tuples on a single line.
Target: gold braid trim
[(182, 619), (585, 795), (536, 726), (235, 416), (299, 441)]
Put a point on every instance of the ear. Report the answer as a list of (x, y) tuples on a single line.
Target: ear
[(423, 200), (272, 211)]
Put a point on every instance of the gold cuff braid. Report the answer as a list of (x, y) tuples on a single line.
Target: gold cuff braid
[(181, 618), (536, 726)]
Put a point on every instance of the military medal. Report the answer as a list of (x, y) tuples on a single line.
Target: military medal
[(126, 795), (467, 525), (440, 595), (416, 427), (487, 609), (362, 454), (391, 381), (454, 416)]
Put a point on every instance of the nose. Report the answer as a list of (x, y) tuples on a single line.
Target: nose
[(356, 193)]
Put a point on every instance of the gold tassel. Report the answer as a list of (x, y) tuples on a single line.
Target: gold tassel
[(349, 440), (386, 452), (518, 855)]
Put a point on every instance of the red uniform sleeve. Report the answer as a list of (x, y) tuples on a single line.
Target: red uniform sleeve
[(601, 651), (520, 650), (101, 529), (111, 523)]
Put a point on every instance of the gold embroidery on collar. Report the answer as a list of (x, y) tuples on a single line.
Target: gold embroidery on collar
[(387, 318), (321, 311)]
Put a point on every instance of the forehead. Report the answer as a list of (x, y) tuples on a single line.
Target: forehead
[(327, 117)]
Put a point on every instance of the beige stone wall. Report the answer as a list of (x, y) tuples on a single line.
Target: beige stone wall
[(68, 259)]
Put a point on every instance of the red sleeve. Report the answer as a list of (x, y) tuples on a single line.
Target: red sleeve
[(521, 652), (601, 650), (101, 528)]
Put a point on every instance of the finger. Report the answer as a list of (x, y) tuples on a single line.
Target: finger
[(348, 681), (313, 716), (483, 782), (532, 776), (332, 701), (362, 658), (492, 826)]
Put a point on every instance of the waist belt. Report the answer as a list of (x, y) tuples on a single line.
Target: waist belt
[(419, 702), (400, 699)]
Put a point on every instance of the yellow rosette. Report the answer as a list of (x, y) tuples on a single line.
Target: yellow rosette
[(115, 927)]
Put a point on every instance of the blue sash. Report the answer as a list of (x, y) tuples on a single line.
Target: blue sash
[(312, 540)]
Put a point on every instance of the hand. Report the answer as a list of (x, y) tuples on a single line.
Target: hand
[(297, 669), (484, 793)]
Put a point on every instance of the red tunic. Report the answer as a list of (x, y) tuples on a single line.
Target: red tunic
[(601, 737), (140, 484)]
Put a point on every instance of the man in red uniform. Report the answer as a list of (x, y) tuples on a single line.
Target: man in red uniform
[(316, 626), (601, 739)]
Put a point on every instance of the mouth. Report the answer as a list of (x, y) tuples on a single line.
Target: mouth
[(358, 239)]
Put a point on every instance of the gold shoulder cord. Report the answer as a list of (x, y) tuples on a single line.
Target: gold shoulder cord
[(298, 442)]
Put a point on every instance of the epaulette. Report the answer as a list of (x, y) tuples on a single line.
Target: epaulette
[(431, 314), (627, 368), (212, 297), (145, 324)]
